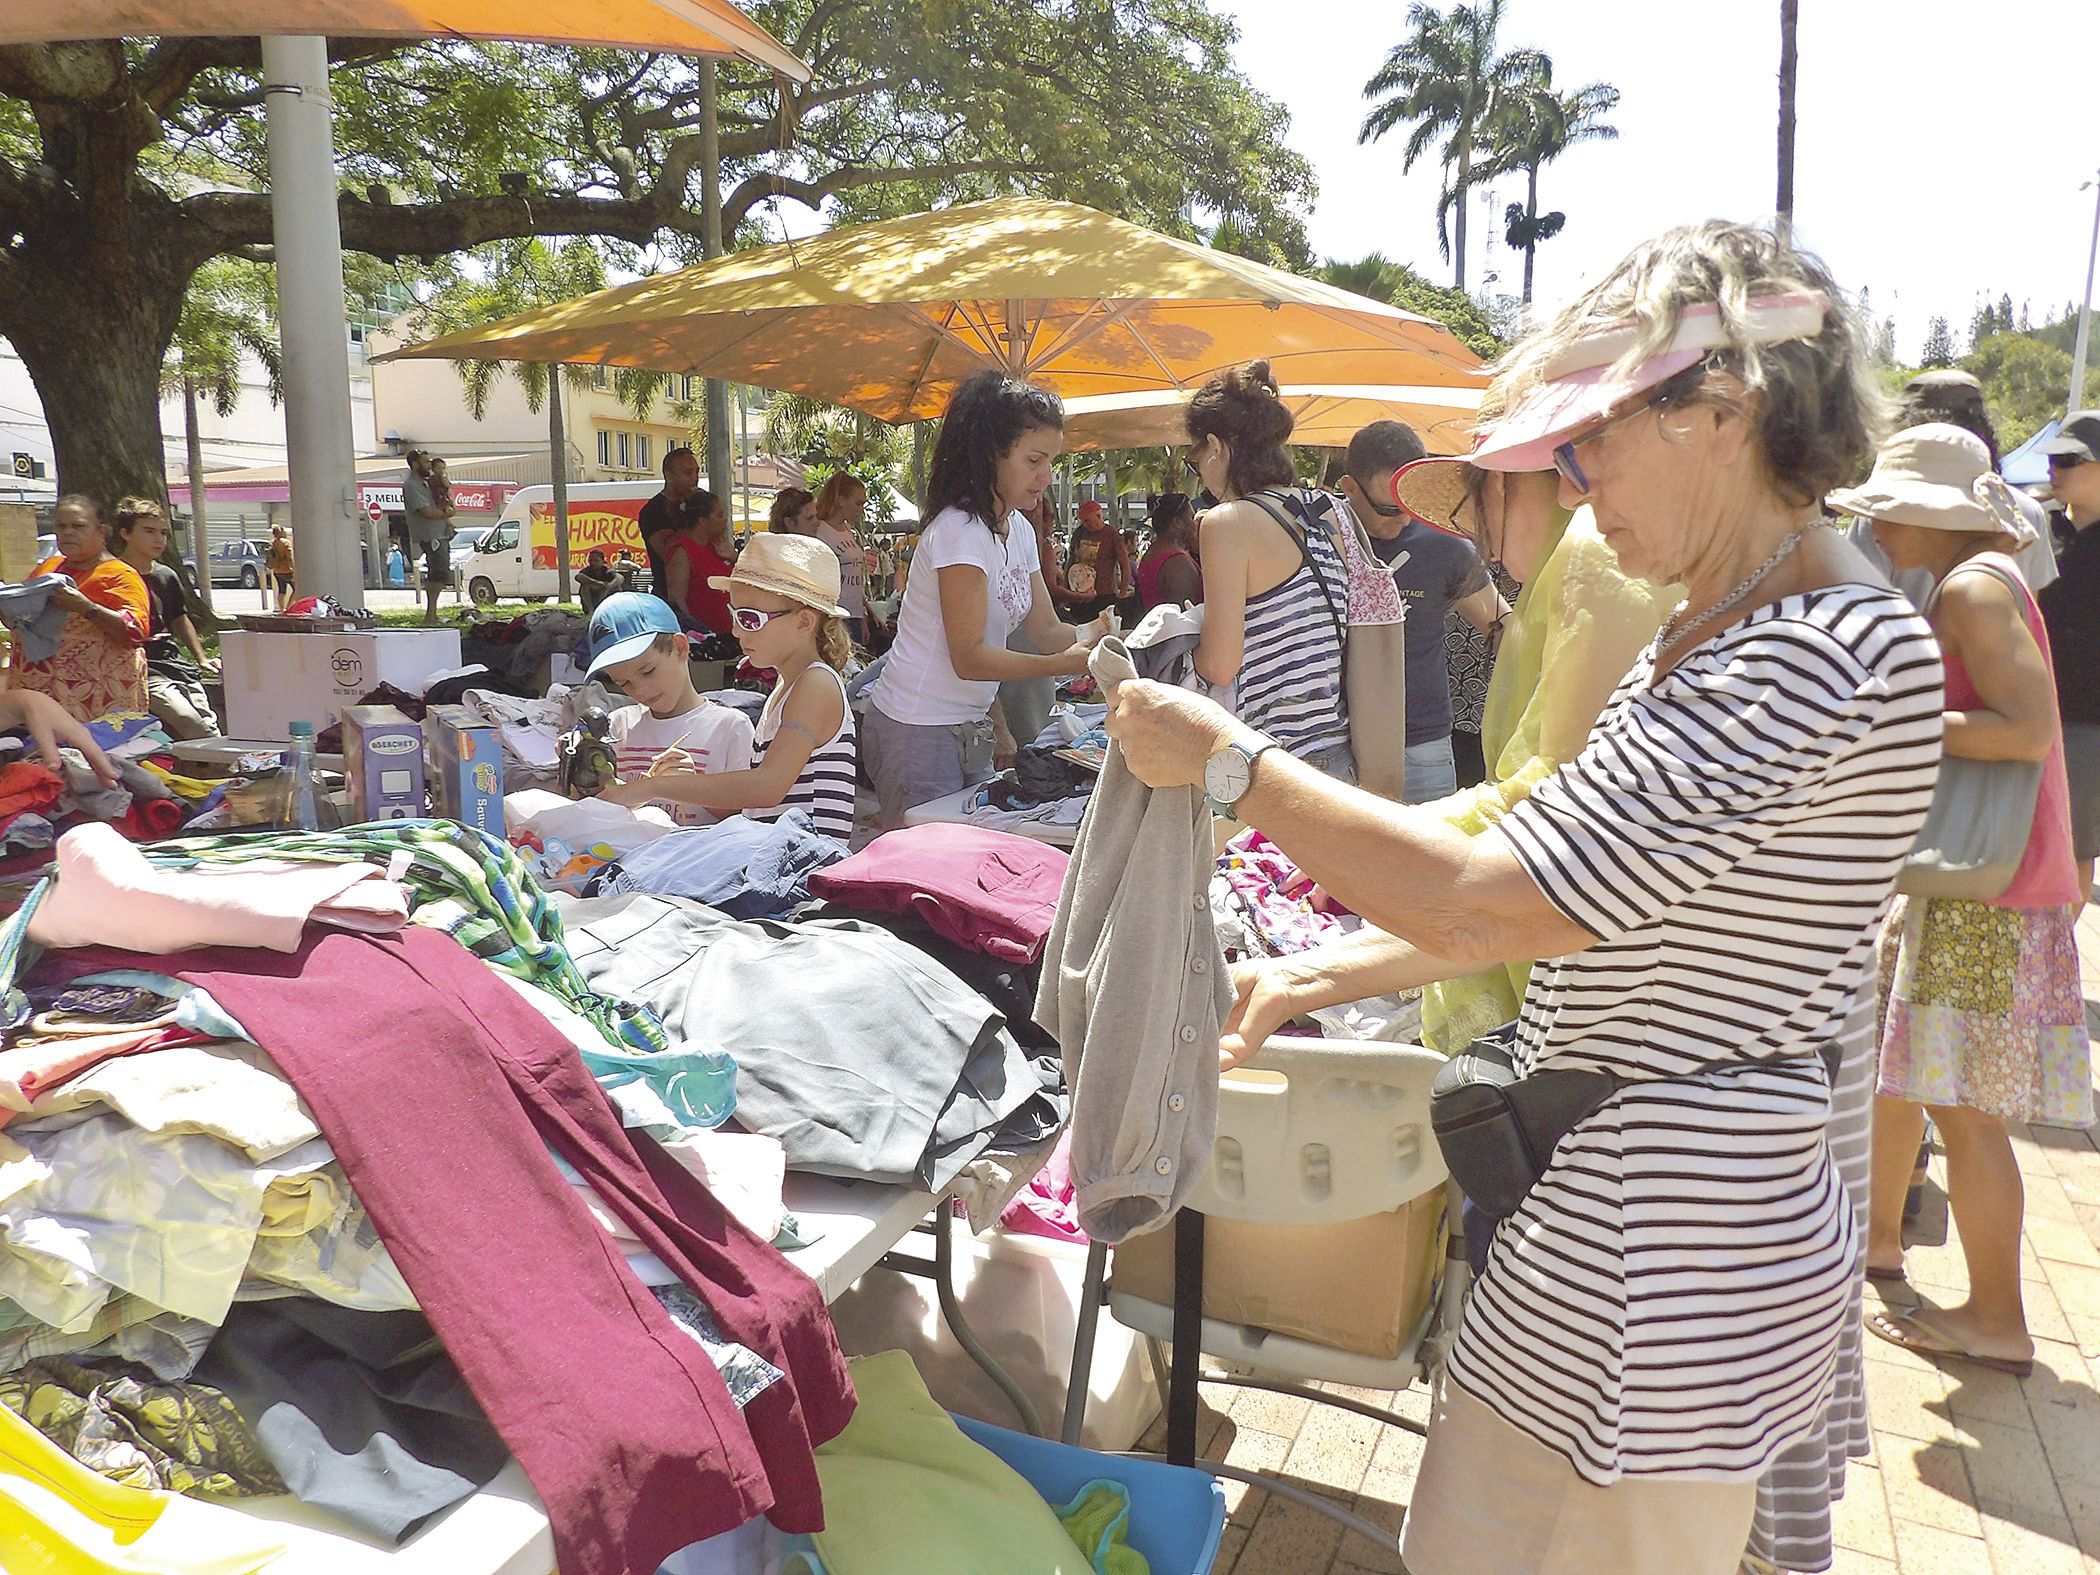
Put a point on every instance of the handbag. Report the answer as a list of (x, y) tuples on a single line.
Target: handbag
[(1982, 813), (1498, 1128), (1370, 619)]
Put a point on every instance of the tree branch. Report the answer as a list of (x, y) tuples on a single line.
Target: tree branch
[(756, 188)]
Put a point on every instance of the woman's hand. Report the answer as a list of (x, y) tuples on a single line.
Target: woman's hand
[(1167, 734), (1263, 1006), (1004, 750), (53, 727)]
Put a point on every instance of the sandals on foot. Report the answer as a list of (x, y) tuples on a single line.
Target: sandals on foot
[(1914, 1332)]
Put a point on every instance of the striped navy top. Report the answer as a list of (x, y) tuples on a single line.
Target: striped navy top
[(1668, 1300), (826, 788), (1290, 682)]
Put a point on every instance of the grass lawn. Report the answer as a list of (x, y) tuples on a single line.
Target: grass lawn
[(463, 612)]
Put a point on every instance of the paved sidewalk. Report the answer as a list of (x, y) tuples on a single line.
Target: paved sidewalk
[(1973, 1472)]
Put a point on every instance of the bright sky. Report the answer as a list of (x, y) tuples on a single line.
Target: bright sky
[(1940, 145)]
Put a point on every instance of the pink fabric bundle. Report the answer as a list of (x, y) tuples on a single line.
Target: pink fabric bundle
[(106, 894), (987, 891)]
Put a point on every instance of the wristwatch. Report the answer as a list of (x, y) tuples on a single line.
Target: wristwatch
[(1229, 773)]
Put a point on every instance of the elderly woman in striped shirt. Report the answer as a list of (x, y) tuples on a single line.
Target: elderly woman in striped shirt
[(1661, 1316)]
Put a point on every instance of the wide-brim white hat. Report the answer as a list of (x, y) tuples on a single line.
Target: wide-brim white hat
[(1936, 476), (801, 568)]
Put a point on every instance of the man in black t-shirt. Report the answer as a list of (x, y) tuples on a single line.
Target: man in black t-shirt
[(175, 659), (1437, 573), (659, 520), (2071, 610)]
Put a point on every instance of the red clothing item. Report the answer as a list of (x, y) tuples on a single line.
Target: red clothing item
[(25, 785), (2048, 875), (441, 1092), (706, 607), (989, 891), (1153, 567)]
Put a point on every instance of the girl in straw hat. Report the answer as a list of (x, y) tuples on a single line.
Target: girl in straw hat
[(1985, 1020), (784, 608)]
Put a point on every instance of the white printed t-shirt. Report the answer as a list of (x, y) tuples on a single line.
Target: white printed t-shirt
[(919, 685), (718, 739), (853, 567)]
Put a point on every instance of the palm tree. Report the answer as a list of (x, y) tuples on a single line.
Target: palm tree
[(1789, 63), (1446, 80), (1534, 126)]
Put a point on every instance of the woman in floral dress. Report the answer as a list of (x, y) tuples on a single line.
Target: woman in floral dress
[(100, 663)]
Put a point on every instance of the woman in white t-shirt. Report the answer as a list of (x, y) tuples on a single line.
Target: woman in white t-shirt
[(976, 579), (841, 502)]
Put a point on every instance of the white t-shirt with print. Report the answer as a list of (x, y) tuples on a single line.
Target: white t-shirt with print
[(919, 685), (853, 567), (718, 739)]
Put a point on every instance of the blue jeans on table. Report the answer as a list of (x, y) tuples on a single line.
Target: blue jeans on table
[(1432, 771)]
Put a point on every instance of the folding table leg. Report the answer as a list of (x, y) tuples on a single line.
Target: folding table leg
[(1188, 1337), (1092, 1291)]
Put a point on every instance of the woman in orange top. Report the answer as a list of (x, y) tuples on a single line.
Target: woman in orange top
[(100, 663)]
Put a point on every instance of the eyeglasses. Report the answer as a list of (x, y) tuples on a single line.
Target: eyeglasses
[(1570, 467), (1188, 460), (753, 619), (2067, 461)]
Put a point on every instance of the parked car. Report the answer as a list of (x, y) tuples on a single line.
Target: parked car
[(465, 543), (238, 563)]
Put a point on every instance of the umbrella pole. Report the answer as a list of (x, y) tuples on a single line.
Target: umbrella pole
[(309, 243), (558, 472), (718, 471)]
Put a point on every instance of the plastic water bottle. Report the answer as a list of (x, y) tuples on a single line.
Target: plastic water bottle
[(301, 811)]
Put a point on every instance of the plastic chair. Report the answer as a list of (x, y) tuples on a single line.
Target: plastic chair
[(1310, 1132), (1177, 1515)]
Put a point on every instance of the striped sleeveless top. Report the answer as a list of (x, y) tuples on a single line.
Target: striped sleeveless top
[(1290, 683), (830, 777)]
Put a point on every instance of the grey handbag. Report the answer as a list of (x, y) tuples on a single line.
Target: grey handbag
[(1982, 813)]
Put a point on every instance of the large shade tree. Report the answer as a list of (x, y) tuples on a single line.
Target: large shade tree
[(125, 167), (1448, 81)]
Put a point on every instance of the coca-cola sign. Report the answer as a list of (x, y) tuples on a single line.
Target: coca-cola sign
[(469, 497)]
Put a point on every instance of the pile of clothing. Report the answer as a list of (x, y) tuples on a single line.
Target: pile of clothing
[(155, 796), (514, 650), (310, 1146), (1052, 777)]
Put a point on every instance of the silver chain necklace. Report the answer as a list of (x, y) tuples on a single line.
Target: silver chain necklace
[(1671, 636)]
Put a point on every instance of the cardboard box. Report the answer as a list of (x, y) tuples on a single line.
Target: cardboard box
[(1361, 1286), (273, 680), (382, 764), (466, 768), (18, 555)]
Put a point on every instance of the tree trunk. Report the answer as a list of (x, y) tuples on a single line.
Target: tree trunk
[(200, 534), (1789, 63), (1531, 226), (1458, 228), (95, 358)]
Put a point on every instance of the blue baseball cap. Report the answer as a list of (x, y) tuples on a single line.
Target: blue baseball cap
[(625, 625)]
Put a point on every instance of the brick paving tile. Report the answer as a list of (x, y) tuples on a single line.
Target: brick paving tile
[(1252, 1451), (1333, 1451), (1850, 1562), (1910, 1402), (2009, 1474), (2020, 1546), (1927, 1550), (1860, 1520), (1928, 1485), (1290, 1539), (1229, 1546)]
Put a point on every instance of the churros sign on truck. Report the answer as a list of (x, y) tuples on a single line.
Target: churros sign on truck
[(516, 558)]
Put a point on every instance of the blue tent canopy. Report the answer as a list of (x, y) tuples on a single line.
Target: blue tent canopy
[(2027, 466)]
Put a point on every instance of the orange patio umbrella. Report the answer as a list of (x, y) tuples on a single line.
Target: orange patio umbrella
[(693, 27), (1324, 416)]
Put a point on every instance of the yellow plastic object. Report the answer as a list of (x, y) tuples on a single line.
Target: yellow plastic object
[(887, 318), (59, 1518), (1578, 625), (691, 27)]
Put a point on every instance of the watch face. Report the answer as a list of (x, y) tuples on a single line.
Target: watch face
[(1226, 776)]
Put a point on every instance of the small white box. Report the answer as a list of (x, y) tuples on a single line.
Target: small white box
[(273, 680)]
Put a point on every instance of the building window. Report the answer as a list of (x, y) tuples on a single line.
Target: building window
[(641, 452), (598, 377), (690, 380), (626, 452), (605, 448)]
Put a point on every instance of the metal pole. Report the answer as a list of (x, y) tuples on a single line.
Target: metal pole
[(2085, 312), (200, 537), (743, 455), (558, 470), (309, 243), (718, 473)]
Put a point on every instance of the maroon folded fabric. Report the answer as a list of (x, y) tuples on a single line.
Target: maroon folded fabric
[(440, 1092), (989, 891)]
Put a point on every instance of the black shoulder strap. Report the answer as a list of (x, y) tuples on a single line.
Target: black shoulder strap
[(1300, 533)]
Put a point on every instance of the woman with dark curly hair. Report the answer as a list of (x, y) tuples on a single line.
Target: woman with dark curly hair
[(975, 579), (1276, 587), (1168, 574)]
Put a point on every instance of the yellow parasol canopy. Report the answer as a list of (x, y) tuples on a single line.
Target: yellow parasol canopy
[(888, 318), (1326, 416), (692, 27)]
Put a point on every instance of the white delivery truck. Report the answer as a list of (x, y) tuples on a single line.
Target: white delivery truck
[(515, 560)]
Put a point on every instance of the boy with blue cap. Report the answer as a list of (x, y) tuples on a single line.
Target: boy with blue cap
[(637, 647)]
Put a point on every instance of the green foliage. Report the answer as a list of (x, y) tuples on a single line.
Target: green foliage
[(880, 480), (231, 308), (818, 434), (1939, 344), (1532, 127), (1382, 279), (2026, 382)]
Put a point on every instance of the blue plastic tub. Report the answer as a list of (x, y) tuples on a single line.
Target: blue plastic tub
[(1177, 1515)]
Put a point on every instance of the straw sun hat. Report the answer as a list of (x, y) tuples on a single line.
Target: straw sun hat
[(1438, 491), (1937, 476), (801, 568)]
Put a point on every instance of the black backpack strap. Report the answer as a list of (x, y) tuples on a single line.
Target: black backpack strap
[(1300, 532)]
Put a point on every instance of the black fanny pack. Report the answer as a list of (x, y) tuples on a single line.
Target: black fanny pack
[(1498, 1130)]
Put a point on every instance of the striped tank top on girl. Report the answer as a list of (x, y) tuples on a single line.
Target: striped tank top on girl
[(829, 781), (1290, 684)]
